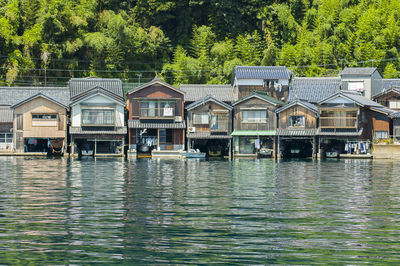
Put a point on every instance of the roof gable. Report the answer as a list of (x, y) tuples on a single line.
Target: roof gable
[(207, 99), (95, 93), (38, 95), (262, 97), (153, 82), (79, 86), (306, 105)]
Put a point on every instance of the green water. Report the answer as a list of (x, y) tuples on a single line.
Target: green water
[(201, 212)]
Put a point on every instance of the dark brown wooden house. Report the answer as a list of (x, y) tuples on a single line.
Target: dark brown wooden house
[(349, 123), (156, 119), (389, 98), (255, 124), (210, 126), (297, 128)]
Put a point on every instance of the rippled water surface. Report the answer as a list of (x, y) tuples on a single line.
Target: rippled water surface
[(176, 211)]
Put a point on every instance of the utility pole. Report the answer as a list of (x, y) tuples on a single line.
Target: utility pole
[(139, 75)]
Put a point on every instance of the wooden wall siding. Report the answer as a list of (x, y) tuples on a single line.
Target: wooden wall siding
[(207, 108), (369, 124), (41, 106), (384, 99), (245, 90), (154, 92), (255, 103), (381, 125), (309, 117), (178, 135)]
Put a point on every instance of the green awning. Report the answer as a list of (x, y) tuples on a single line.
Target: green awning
[(254, 133)]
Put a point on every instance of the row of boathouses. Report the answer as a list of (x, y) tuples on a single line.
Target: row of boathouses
[(265, 111)]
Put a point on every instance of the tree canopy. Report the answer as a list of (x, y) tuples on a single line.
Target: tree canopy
[(192, 41)]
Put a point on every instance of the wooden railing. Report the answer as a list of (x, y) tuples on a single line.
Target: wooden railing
[(338, 122)]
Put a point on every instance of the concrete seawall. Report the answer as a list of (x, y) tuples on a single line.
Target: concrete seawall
[(386, 151)]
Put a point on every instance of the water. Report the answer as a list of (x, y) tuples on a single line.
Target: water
[(174, 211)]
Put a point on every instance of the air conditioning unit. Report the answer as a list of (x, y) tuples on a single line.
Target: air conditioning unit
[(178, 119), (191, 129)]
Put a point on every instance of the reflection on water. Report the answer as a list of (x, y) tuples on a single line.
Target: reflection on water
[(195, 211)]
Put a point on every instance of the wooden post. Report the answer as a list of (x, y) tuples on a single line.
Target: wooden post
[(158, 138), (230, 149), (278, 148), (95, 147)]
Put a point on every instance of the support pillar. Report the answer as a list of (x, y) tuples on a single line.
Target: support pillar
[(278, 155), (158, 139), (95, 147)]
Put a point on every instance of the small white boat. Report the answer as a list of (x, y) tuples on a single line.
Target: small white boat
[(87, 152), (192, 153), (264, 152), (332, 154), (295, 151)]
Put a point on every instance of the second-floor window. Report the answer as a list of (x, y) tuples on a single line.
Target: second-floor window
[(44, 116), (296, 121), (255, 116), (94, 117), (200, 119), (157, 109)]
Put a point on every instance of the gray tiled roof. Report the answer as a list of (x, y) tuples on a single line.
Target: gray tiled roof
[(81, 85), (361, 99), (79, 130), (261, 72), (296, 132), (138, 124), (206, 135), (313, 89), (394, 88), (14, 95), (206, 99), (36, 96), (395, 115), (339, 132), (364, 71), (6, 114), (299, 102), (388, 83), (194, 92)]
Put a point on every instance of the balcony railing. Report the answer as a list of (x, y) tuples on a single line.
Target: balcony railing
[(253, 126), (338, 122), (167, 113)]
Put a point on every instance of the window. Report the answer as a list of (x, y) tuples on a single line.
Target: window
[(356, 86), (296, 121), (200, 119), (269, 83), (157, 109), (394, 104), (165, 109), (381, 134), (259, 116), (97, 117), (6, 137), (44, 116)]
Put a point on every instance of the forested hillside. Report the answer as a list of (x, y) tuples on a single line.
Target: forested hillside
[(192, 41)]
